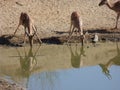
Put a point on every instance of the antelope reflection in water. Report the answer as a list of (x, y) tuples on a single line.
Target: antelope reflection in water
[(76, 61), (28, 61), (114, 61)]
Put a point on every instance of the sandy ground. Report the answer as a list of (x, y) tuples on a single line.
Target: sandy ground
[(54, 15)]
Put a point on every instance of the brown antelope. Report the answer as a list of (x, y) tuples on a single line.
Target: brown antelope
[(27, 22), (114, 6), (76, 23)]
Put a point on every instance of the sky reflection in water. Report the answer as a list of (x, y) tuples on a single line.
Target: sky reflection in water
[(88, 78), (55, 67)]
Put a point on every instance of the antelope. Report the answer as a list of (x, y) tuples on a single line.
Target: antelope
[(76, 23), (27, 22), (114, 6)]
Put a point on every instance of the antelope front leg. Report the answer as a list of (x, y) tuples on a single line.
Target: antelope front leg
[(16, 29), (31, 41), (24, 39), (70, 28), (70, 34), (82, 36), (35, 32), (80, 29)]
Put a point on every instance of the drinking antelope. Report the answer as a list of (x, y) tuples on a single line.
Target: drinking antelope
[(114, 6), (76, 23), (27, 22)]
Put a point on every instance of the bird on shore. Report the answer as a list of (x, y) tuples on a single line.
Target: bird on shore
[(95, 39)]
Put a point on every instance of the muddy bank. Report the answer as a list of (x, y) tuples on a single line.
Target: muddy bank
[(62, 37), (6, 85)]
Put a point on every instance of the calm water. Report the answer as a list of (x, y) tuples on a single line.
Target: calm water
[(62, 67)]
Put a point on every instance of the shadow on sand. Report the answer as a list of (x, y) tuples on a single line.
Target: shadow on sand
[(7, 40), (62, 37)]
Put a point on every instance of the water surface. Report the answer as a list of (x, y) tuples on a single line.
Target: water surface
[(62, 67)]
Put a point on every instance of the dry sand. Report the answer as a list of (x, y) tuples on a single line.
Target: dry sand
[(54, 15)]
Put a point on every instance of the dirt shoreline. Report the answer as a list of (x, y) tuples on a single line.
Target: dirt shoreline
[(59, 37), (6, 85)]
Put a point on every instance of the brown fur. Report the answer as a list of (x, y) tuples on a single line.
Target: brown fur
[(26, 21), (113, 6), (76, 23)]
